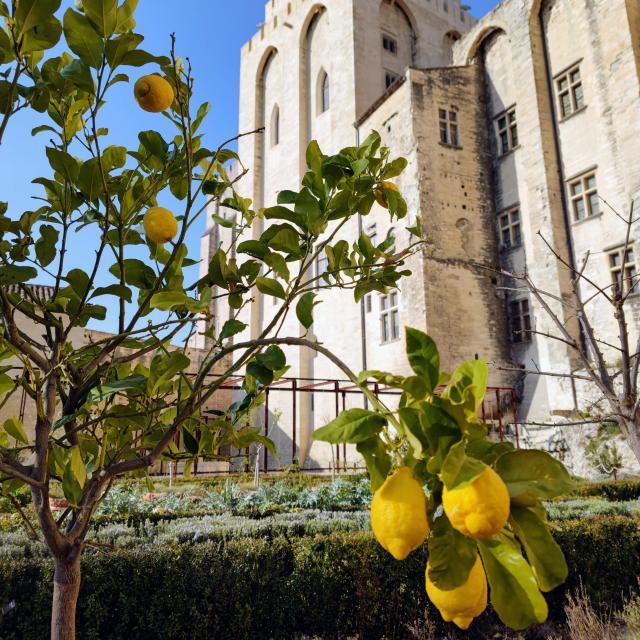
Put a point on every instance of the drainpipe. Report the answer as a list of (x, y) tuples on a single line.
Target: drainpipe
[(363, 325)]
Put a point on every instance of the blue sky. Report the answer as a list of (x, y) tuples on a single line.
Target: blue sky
[(210, 33)]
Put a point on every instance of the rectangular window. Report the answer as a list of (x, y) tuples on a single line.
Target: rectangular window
[(389, 317), (390, 78), (583, 193), (389, 44), (507, 131), (624, 273), (510, 229), (570, 92), (520, 316), (368, 304), (449, 132)]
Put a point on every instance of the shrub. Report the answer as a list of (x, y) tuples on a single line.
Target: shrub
[(589, 508), (611, 490), (337, 586)]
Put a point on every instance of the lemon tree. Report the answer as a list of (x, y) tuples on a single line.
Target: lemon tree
[(481, 511), (114, 405)]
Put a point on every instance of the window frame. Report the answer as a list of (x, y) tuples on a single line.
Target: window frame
[(449, 127), (393, 42), (583, 196), (390, 317), (520, 324), (324, 92), (507, 132), (506, 223), (393, 76), (624, 274), (570, 91)]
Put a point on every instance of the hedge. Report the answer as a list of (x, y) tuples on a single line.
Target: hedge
[(336, 586), (619, 490)]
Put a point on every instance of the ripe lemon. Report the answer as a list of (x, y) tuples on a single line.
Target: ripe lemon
[(480, 509), (379, 194), (153, 93), (160, 225), (399, 514), (462, 604)]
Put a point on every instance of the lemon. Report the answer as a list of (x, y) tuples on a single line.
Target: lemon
[(153, 93), (462, 604), (399, 514), (480, 509), (160, 224), (379, 194)]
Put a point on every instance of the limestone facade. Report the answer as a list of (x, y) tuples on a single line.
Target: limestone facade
[(517, 129)]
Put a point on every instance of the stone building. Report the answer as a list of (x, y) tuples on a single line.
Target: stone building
[(526, 121)]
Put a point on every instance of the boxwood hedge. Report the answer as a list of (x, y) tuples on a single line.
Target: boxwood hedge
[(336, 586)]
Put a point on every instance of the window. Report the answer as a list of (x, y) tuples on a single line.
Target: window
[(325, 101), (449, 127), (570, 92), (584, 197), (509, 228), (368, 304), (445, 6), (520, 316), (507, 130), (389, 44), (389, 317), (624, 273), (275, 126), (390, 78)]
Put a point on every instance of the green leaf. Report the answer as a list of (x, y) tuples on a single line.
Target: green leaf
[(70, 486), (43, 36), (104, 391), (45, 245), (377, 460), (514, 591), (304, 309), (103, 14), (64, 163), (113, 290), (351, 426), (125, 21), (14, 274), (270, 287), (532, 475), (90, 180), (231, 328), (79, 74), (423, 356), (6, 383), (458, 469), (77, 465), (451, 555), (31, 13), (164, 367), (468, 385), (394, 168), (138, 58), (415, 434), (190, 443), (169, 300), (14, 428), (543, 552), (82, 38), (136, 273)]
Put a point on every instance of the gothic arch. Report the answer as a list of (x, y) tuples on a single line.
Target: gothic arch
[(274, 129), (405, 11), (399, 7), (448, 40), (307, 86), (323, 92), (479, 40)]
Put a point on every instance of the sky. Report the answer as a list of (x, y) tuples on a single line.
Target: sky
[(210, 33)]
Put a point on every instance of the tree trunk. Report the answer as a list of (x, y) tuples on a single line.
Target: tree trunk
[(66, 587), (631, 431)]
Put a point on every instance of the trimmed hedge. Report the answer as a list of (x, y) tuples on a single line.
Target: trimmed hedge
[(618, 490), (336, 586)]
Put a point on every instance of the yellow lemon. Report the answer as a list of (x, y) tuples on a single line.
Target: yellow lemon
[(153, 93), (399, 514), (160, 224), (462, 604), (379, 193), (480, 509)]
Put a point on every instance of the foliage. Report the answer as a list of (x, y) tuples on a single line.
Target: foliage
[(279, 588), (621, 490), (101, 411), (583, 508), (440, 437), (602, 451)]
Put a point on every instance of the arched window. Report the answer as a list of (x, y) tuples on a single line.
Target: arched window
[(324, 99), (275, 126)]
